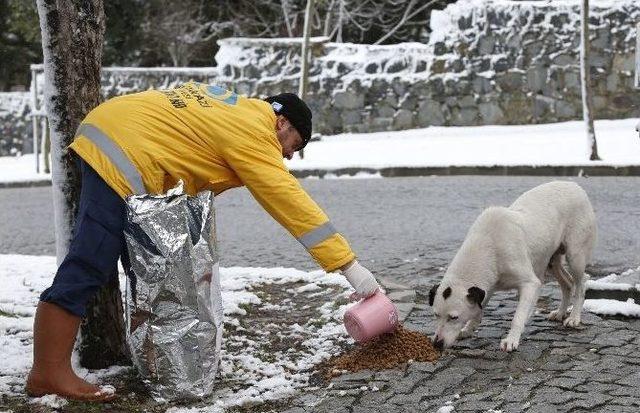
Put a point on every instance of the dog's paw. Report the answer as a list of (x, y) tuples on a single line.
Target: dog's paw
[(466, 333), (572, 321), (509, 344), (556, 315)]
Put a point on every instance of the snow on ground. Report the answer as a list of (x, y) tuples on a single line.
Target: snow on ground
[(244, 357), (358, 175), (553, 144), (21, 168), (604, 306), (449, 405), (51, 400), (625, 281), (251, 370)]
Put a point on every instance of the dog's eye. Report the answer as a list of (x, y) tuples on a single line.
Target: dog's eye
[(453, 317), (436, 314)]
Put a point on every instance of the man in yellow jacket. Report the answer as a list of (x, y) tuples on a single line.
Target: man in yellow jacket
[(204, 135)]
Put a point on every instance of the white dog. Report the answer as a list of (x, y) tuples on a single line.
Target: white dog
[(513, 247)]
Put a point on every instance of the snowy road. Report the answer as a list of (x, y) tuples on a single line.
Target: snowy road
[(405, 228)]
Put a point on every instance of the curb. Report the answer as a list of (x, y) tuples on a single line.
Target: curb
[(515, 170), (25, 184), (407, 171), (619, 295)]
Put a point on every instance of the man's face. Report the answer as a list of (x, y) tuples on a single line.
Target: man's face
[(289, 137)]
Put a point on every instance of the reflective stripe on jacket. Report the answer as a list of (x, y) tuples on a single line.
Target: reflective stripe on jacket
[(212, 139)]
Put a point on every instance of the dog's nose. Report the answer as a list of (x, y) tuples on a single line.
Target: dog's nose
[(439, 344)]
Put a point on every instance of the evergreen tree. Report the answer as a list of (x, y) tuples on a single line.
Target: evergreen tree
[(123, 40)]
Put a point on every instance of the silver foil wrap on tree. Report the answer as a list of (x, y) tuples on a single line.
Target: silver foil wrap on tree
[(174, 308)]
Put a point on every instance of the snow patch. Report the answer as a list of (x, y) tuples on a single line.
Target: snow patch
[(358, 175), (245, 377), (613, 307), (624, 281), (50, 400), (618, 145)]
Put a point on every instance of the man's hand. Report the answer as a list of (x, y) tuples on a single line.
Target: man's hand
[(361, 279)]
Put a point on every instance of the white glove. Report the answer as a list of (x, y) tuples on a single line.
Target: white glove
[(361, 280)]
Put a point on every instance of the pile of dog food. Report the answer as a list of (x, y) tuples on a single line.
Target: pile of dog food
[(386, 352)]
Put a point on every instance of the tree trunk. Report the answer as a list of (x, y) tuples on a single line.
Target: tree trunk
[(103, 332), (72, 37), (587, 112)]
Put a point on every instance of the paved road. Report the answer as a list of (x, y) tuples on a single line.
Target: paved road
[(407, 229), (404, 228), (595, 368)]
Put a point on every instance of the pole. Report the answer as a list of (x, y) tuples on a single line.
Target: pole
[(638, 55), (34, 116), (304, 73), (587, 111)]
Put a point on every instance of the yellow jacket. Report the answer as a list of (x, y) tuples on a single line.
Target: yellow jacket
[(212, 139)]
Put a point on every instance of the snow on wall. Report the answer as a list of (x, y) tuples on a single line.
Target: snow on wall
[(486, 62)]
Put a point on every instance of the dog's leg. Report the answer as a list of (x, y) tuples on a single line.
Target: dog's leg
[(527, 299), (469, 328), (577, 264), (564, 281)]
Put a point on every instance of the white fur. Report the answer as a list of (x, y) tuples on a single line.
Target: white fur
[(512, 248)]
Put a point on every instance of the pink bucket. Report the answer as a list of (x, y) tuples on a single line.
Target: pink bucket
[(371, 317)]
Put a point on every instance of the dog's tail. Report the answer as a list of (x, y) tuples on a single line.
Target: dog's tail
[(563, 276), (558, 270)]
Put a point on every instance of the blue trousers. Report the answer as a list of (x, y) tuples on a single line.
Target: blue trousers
[(97, 243)]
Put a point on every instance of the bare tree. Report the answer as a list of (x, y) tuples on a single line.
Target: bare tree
[(359, 21), (264, 18), (375, 21), (72, 37), (411, 10), (287, 19), (181, 28), (587, 105)]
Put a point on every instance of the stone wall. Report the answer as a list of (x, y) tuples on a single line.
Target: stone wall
[(486, 62), (16, 133)]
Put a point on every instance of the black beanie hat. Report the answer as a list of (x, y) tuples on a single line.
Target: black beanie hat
[(295, 110)]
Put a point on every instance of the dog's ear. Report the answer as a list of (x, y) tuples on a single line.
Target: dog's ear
[(476, 295), (432, 294), (446, 293)]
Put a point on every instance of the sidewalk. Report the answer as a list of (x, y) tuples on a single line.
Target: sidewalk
[(558, 149), (280, 322)]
